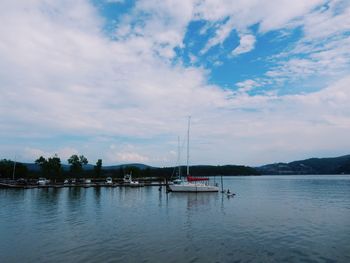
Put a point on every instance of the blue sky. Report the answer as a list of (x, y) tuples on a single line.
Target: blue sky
[(116, 79)]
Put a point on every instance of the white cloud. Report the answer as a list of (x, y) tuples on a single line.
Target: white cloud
[(31, 154), (246, 44), (271, 15), (323, 50), (279, 14), (131, 157), (126, 153), (66, 80), (325, 23), (160, 24), (321, 55), (60, 76), (220, 36), (247, 85), (288, 127), (114, 1)]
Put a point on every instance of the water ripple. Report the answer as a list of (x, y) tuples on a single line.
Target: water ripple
[(272, 219)]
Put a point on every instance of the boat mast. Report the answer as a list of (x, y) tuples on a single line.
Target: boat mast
[(14, 169), (178, 156), (188, 145)]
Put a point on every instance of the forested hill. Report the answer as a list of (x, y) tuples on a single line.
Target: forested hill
[(208, 170), (336, 165), (24, 170)]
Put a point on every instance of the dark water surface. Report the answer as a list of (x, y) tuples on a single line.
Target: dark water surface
[(271, 219)]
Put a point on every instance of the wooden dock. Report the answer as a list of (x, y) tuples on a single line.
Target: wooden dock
[(79, 185)]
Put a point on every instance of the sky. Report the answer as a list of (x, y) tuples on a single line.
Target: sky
[(263, 81)]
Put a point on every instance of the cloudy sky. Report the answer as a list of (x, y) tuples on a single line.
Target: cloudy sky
[(264, 81)]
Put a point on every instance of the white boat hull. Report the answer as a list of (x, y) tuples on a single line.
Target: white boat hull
[(195, 188)]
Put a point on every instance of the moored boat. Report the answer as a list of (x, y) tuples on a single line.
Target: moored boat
[(109, 181), (87, 183), (129, 182), (43, 181), (191, 184)]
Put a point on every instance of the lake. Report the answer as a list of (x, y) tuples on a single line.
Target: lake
[(271, 219)]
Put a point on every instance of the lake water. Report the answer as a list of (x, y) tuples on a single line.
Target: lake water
[(271, 219)]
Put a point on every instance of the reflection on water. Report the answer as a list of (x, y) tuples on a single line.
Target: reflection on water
[(271, 219)]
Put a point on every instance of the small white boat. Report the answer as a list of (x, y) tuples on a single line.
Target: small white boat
[(43, 181), (134, 184), (109, 181), (87, 183), (129, 182), (127, 178)]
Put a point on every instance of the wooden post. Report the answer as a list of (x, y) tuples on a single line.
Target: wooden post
[(222, 185)]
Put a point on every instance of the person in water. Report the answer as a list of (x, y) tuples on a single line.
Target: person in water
[(228, 191)]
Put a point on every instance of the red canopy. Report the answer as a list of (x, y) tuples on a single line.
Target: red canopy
[(194, 179)]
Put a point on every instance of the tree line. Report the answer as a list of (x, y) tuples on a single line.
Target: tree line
[(52, 168), (49, 167)]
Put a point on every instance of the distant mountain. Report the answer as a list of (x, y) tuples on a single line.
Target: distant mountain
[(209, 170), (35, 168), (335, 165), (135, 165), (32, 167)]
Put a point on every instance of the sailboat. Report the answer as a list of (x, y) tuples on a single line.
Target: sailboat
[(129, 182), (192, 184)]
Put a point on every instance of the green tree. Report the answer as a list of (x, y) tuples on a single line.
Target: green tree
[(76, 163), (98, 167), (7, 166), (42, 162), (121, 172), (51, 166), (54, 164)]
